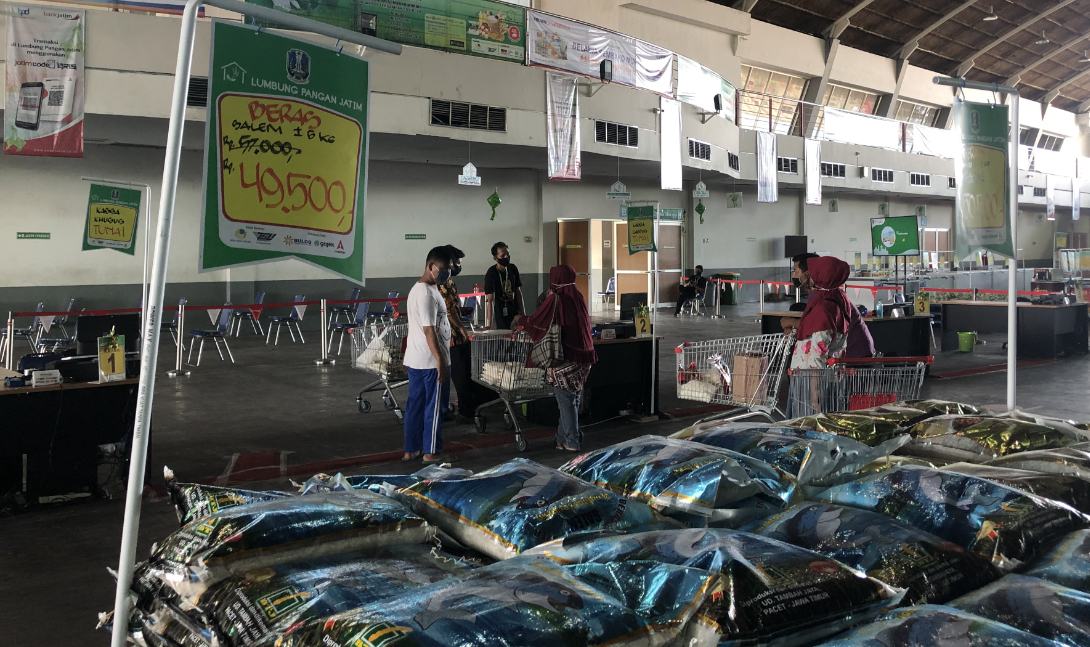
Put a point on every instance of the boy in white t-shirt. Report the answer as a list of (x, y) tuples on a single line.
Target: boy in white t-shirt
[(427, 358)]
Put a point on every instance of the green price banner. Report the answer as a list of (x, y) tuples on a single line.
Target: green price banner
[(982, 169), (112, 216), (473, 27), (641, 228), (286, 157), (895, 236)]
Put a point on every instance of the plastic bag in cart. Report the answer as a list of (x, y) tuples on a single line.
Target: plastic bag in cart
[(517, 505), (193, 500), (998, 522), (941, 407), (255, 607), (868, 430), (815, 458), (680, 476), (771, 592), (1035, 606), (1073, 460), (260, 535), (1068, 563), (930, 568), (1070, 490), (931, 625), (526, 601), (977, 439)]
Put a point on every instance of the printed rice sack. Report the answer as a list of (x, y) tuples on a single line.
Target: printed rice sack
[(522, 602), (1033, 605), (814, 458), (932, 625), (677, 475), (941, 407), (1073, 460), (1068, 563), (977, 439), (1070, 490), (771, 592), (194, 501), (931, 569), (517, 505), (237, 540), (869, 430), (380, 483), (998, 522)]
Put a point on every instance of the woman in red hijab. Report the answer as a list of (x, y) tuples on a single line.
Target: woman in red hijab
[(823, 331), (565, 306)]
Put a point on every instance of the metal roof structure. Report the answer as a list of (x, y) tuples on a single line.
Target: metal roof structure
[(1036, 45)]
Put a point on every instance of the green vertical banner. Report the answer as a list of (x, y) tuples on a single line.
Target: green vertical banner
[(286, 156), (641, 228), (982, 169), (112, 217)]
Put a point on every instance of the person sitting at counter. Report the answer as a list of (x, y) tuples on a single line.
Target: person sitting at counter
[(565, 306)]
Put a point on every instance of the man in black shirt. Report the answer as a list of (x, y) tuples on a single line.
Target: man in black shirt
[(690, 288), (503, 290)]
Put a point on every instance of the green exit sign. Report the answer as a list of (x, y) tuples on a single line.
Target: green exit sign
[(416, 236), (32, 235)]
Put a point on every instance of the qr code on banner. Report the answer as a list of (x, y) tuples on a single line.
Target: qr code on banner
[(55, 99)]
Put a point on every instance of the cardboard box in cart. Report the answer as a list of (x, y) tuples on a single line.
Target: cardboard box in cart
[(749, 377)]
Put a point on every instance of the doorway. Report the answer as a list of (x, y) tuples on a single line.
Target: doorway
[(573, 242)]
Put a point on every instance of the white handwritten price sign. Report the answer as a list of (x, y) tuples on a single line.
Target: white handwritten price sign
[(286, 155), (112, 214)]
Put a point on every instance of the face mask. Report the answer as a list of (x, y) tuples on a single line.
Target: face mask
[(456, 271), (505, 261), (442, 277)]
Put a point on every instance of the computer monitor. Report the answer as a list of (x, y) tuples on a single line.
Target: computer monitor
[(89, 328)]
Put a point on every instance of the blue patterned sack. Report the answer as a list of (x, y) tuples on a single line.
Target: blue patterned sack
[(1034, 605), (1067, 564)]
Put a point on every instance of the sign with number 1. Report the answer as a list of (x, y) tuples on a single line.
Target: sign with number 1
[(111, 358), (286, 156)]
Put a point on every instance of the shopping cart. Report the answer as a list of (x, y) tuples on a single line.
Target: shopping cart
[(852, 384), (379, 347), (742, 372), (499, 363)]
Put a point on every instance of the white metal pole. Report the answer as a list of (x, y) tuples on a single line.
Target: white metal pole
[(326, 341), (655, 319), (178, 361), (149, 350), (9, 342), (1012, 279)]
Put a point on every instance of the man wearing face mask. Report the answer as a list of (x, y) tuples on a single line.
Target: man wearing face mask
[(460, 363), (503, 289), (691, 287), (427, 358)]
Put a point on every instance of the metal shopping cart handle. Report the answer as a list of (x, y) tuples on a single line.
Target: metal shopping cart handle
[(926, 359)]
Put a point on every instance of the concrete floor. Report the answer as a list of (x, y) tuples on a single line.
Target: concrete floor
[(275, 407)]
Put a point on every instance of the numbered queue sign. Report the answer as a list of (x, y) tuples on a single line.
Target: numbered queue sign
[(111, 358), (287, 151), (643, 325)]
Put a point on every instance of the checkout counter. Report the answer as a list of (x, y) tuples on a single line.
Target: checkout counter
[(908, 336), (1044, 331)]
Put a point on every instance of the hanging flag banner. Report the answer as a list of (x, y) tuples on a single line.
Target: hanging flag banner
[(670, 144), (981, 171), (112, 214), (618, 192), (1076, 197), (697, 85), (768, 189), (175, 7), (1050, 197), (471, 27), (579, 48), (701, 190), (562, 99), (812, 151), (734, 200), (641, 228), (43, 111), (286, 156)]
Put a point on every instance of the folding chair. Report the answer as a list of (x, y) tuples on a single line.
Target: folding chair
[(469, 303), (172, 325), (54, 343), (294, 317), (29, 334), (359, 320), (218, 335), (388, 311), (611, 291), (249, 315), (60, 321), (345, 309), (698, 304)]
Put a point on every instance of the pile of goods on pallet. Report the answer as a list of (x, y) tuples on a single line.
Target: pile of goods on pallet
[(916, 523)]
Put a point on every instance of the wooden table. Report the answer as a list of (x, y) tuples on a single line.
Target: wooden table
[(893, 336), (1044, 331), (49, 436)]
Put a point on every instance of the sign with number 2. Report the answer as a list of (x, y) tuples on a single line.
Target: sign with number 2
[(643, 325)]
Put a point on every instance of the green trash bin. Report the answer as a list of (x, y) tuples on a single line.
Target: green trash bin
[(729, 295), (966, 341)]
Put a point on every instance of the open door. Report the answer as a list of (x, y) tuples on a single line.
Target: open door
[(573, 240)]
